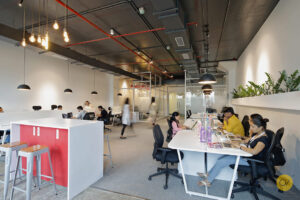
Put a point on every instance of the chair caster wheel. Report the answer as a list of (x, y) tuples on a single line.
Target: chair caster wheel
[(280, 191), (165, 187), (232, 196), (149, 178)]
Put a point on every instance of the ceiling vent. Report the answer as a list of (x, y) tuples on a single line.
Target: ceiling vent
[(185, 56), (179, 41)]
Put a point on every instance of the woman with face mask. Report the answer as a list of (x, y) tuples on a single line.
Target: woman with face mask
[(257, 145)]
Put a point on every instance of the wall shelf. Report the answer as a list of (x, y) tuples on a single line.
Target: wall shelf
[(287, 101)]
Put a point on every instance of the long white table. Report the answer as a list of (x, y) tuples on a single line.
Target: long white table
[(188, 140)]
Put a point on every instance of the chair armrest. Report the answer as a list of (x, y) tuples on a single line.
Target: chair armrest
[(253, 160), (164, 153)]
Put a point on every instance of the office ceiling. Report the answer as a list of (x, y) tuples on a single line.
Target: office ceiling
[(215, 30)]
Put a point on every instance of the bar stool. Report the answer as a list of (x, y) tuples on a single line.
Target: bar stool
[(29, 153), (108, 146), (8, 149)]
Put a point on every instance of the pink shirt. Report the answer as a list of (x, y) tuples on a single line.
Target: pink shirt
[(175, 128)]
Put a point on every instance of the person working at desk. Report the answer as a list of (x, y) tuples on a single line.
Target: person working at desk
[(59, 107), (103, 114), (231, 123), (81, 113), (257, 145), (175, 123)]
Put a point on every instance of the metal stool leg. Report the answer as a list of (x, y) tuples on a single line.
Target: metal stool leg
[(52, 174), (38, 170), (108, 145), (14, 180), (29, 176), (8, 155)]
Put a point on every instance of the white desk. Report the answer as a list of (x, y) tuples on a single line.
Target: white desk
[(188, 140)]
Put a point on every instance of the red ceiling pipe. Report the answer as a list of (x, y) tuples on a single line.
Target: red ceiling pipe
[(117, 36), (107, 34)]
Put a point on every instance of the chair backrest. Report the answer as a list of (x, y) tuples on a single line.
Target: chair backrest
[(70, 115), (277, 156), (89, 116), (158, 139)]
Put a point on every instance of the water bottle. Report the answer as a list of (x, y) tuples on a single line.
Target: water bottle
[(202, 134), (209, 134)]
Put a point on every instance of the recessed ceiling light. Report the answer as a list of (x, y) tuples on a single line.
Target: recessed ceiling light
[(168, 47), (112, 32)]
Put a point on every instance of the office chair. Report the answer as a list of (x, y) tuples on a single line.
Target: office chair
[(36, 108), (89, 116), (257, 170), (165, 156)]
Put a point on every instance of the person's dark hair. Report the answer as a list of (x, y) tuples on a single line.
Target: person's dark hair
[(59, 106), (79, 108), (53, 107), (109, 108), (173, 117), (152, 99), (228, 109), (126, 101), (100, 107), (259, 121)]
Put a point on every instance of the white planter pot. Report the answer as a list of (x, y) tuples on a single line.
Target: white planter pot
[(287, 101)]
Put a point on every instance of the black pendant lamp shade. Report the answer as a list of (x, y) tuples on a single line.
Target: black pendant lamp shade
[(207, 87), (207, 79), (68, 91), (119, 94), (207, 92), (94, 92), (23, 87)]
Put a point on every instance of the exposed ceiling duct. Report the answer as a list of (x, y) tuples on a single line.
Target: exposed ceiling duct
[(171, 15)]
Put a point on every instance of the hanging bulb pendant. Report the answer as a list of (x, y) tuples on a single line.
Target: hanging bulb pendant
[(43, 42), (23, 43), (55, 25), (39, 39), (32, 38)]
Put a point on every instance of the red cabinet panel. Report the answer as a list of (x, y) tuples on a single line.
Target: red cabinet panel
[(58, 146)]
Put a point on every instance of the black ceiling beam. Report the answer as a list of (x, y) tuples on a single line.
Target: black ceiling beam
[(126, 51), (17, 35), (85, 12)]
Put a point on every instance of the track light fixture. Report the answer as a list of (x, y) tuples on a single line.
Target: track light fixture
[(111, 31), (20, 3), (142, 10)]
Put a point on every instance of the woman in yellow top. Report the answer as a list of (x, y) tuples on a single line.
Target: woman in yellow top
[(231, 123)]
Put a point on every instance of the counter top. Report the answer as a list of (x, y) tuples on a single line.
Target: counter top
[(55, 122)]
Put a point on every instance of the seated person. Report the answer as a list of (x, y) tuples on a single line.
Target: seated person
[(59, 107), (103, 114), (81, 113), (53, 107), (88, 107), (231, 123), (174, 120), (257, 145)]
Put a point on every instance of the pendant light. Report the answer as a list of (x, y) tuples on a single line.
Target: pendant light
[(65, 32), (24, 86), (55, 24), (119, 94), (46, 46), (207, 87), (68, 90), (39, 38), (94, 92), (207, 79), (23, 43), (32, 36)]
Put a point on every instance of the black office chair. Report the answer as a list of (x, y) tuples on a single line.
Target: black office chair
[(89, 116), (246, 125), (257, 169), (165, 156), (170, 131)]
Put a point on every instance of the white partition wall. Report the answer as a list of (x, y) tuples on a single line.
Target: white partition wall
[(274, 48), (47, 76)]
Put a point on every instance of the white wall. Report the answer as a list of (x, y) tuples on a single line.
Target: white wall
[(274, 48), (48, 77)]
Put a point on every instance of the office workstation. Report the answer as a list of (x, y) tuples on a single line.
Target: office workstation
[(149, 99)]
